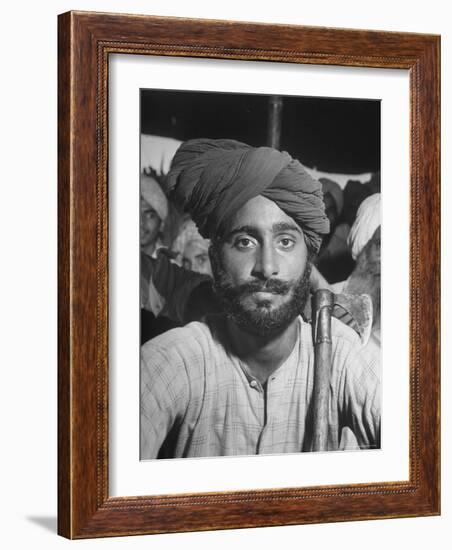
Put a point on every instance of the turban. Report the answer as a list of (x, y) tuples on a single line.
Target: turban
[(213, 179), (152, 193), (188, 233), (367, 221)]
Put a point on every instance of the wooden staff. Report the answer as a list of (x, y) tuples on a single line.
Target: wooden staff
[(322, 308)]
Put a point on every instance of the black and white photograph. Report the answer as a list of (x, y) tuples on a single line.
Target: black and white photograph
[(225, 266), (260, 229)]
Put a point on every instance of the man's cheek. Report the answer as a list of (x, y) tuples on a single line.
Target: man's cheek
[(238, 269)]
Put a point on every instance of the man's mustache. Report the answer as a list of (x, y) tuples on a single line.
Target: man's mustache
[(272, 286)]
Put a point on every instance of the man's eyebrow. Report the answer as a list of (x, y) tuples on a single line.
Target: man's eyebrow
[(241, 229), (253, 230), (286, 226)]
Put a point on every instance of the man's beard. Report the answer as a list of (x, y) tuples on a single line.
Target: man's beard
[(262, 319)]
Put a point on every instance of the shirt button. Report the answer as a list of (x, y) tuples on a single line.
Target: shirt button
[(253, 384)]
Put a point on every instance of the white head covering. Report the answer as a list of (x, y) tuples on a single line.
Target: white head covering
[(188, 232), (152, 193), (368, 218)]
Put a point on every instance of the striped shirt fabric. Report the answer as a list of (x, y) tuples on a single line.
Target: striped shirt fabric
[(198, 399)]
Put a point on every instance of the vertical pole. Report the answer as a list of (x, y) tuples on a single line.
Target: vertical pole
[(275, 105), (322, 308)]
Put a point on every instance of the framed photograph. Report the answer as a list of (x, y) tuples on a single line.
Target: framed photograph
[(248, 281)]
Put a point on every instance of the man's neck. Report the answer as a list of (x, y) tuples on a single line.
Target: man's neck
[(262, 354)]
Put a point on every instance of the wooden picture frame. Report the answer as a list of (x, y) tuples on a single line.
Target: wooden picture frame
[(85, 42)]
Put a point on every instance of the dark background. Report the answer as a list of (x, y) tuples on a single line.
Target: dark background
[(332, 135)]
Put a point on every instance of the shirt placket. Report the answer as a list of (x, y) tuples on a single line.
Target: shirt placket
[(270, 395), (258, 399)]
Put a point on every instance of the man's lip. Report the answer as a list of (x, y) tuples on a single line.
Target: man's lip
[(264, 293)]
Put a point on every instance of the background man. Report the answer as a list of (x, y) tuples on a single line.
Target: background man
[(242, 382), (364, 242), (192, 251), (334, 260), (153, 213)]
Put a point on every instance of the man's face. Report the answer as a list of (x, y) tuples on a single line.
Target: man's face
[(149, 224), (196, 257), (373, 248), (261, 268)]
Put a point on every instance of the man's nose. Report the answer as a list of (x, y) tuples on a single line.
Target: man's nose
[(266, 264)]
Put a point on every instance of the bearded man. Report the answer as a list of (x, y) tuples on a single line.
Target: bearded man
[(241, 382)]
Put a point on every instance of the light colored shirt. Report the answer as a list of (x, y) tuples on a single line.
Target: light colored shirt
[(198, 399)]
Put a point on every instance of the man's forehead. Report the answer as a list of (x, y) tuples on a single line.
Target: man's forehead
[(261, 214), (194, 246)]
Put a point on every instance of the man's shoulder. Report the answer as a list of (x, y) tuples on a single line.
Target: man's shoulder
[(189, 342), (197, 331), (342, 332), (349, 349)]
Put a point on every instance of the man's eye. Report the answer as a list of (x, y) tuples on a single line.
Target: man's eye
[(150, 214), (286, 243), (244, 243)]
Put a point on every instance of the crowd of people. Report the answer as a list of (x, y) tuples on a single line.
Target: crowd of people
[(169, 236), (206, 268)]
